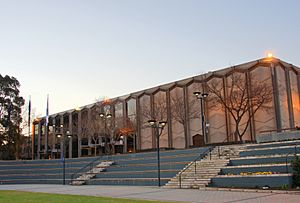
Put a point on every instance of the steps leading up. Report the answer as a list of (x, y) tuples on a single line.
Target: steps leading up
[(198, 174), (260, 165)]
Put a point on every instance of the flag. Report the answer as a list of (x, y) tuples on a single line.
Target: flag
[(47, 111)]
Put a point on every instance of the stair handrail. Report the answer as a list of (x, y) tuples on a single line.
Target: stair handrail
[(226, 139), (194, 161), (90, 165)]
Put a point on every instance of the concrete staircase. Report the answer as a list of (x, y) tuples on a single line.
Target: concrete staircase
[(198, 174), (83, 178)]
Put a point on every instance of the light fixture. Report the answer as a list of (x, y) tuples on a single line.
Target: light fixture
[(151, 122), (59, 135), (158, 126), (269, 55), (204, 95), (162, 123), (196, 93)]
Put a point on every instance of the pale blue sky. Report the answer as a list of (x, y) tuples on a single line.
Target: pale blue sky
[(80, 50)]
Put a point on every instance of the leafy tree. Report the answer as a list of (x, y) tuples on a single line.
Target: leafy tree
[(10, 117), (241, 101)]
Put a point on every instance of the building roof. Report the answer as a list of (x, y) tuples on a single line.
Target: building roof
[(203, 77)]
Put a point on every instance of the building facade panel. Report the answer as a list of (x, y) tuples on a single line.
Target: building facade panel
[(146, 132), (264, 118), (194, 114), (231, 122), (295, 97), (178, 117), (217, 131), (283, 97), (160, 114)]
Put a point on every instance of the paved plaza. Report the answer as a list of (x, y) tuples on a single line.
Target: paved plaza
[(155, 193)]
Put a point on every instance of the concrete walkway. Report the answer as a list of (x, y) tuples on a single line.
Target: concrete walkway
[(155, 193)]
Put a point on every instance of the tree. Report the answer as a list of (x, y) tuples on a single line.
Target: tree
[(10, 117), (241, 100), (179, 112), (159, 112)]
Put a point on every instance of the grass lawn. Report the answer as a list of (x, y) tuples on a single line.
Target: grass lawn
[(7, 196)]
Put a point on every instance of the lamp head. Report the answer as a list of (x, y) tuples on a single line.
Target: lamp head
[(61, 125), (151, 122), (204, 95), (108, 115), (197, 93), (162, 124), (69, 136), (58, 135), (101, 115)]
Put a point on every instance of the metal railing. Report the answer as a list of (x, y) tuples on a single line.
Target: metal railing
[(194, 161), (219, 154), (87, 167), (286, 158)]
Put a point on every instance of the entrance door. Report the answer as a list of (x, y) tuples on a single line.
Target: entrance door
[(198, 140)]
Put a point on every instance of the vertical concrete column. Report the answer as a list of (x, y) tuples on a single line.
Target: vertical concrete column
[(61, 131), (252, 122), (125, 124), (289, 98), (89, 132), (71, 133), (124, 144), (33, 140), (53, 148), (227, 116), (152, 117), (46, 139), (79, 130), (169, 119), (186, 118), (276, 97), (138, 124), (39, 139)]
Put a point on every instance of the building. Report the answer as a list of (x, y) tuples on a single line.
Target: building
[(120, 124)]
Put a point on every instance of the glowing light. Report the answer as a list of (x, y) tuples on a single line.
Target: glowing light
[(106, 100), (269, 55)]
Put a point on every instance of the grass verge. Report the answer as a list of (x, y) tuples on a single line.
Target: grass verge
[(8, 196)]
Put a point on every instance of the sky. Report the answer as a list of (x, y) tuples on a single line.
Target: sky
[(78, 51)]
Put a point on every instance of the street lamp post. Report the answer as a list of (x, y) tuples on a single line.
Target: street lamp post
[(201, 97), (62, 152), (105, 117), (158, 126)]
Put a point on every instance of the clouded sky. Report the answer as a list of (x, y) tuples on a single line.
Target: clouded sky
[(80, 50)]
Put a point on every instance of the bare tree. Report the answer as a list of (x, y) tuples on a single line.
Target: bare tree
[(179, 110), (159, 112), (242, 100)]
